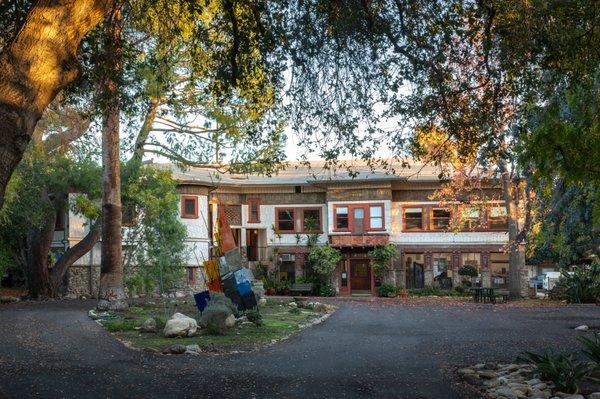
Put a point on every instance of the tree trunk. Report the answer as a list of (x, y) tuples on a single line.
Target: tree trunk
[(112, 293), (144, 133), (517, 271), (35, 66), (39, 242)]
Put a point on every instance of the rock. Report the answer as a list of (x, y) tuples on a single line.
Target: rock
[(582, 327), (541, 386), (472, 379), (533, 381), (230, 321), (9, 299), (293, 305), (595, 395), (241, 320), (148, 326), (488, 375), (175, 349), (479, 366), (575, 397), (180, 326), (192, 348), (506, 393), (262, 301), (466, 371), (491, 383), (246, 324)]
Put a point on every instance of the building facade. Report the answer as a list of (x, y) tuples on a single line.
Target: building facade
[(273, 218)]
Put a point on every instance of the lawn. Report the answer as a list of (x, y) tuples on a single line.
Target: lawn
[(279, 321)]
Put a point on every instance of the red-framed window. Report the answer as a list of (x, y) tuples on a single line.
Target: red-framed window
[(439, 218), (253, 210), (285, 220), (312, 220), (358, 218), (412, 218), (189, 207)]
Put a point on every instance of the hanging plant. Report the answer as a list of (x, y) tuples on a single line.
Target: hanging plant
[(382, 257)]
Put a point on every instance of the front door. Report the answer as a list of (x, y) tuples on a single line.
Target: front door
[(252, 244), (360, 275)]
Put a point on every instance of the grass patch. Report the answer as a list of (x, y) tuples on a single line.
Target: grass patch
[(277, 322)]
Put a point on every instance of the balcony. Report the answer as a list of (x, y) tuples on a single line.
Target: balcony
[(359, 240)]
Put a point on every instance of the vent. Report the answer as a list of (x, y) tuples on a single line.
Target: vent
[(288, 257)]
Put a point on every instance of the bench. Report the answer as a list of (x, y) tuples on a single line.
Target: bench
[(301, 288)]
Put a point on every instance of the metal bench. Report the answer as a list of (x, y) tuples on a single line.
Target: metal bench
[(301, 288)]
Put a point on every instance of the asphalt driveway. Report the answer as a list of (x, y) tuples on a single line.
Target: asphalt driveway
[(379, 350)]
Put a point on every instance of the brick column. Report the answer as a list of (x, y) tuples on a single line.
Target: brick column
[(486, 274), (455, 266), (428, 272)]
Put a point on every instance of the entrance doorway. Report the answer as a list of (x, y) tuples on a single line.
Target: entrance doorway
[(415, 277), (252, 245), (360, 276)]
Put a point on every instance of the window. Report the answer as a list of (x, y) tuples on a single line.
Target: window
[(311, 220), (298, 189), (440, 218), (341, 218), (471, 218), (285, 219), (189, 207), (413, 219), (497, 218), (191, 277), (253, 210), (376, 217)]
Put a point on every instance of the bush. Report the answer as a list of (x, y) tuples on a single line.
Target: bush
[(255, 317), (219, 297), (139, 285), (381, 258), (387, 290), (326, 289), (295, 310), (119, 324), (583, 285), (324, 260), (562, 369), (213, 318)]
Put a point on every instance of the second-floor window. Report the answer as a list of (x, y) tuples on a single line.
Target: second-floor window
[(253, 210), (311, 220), (189, 207), (497, 218), (341, 218), (376, 217), (440, 219), (285, 220), (413, 219)]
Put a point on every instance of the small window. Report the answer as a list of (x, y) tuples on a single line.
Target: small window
[(189, 207), (285, 220), (253, 210), (440, 219), (311, 220), (341, 218), (376, 216), (191, 275), (413, 219), (498, 218), (298, 189)]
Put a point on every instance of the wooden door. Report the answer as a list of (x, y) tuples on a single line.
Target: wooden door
[(359, 220), (360, 275)]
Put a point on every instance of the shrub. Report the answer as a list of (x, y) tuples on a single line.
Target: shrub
[(255, 317), (381, 258), (562, 369), (213, 318), (326, 289), (295, 310), (261, 270), (219, 297), (583, 285), (324, 260), (119, 324), (386, 290), (592, 348), (138, 285)]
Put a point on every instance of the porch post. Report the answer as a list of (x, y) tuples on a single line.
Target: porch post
[(400, 267), (428, 278), (486, 275), (455, 267)]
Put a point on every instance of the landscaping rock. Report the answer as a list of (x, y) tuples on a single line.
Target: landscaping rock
[(180, 326), (192, 348), (175, 349), (293, 305), (148, 326), (262, 301), (582, 327), (575, 397), (466, 371), (9, 299), (506, 393), (241, 320), (230, 321)]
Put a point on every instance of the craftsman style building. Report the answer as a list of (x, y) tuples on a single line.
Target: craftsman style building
[(272, 218)]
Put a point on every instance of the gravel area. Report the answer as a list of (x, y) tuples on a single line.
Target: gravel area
[(383, 349)]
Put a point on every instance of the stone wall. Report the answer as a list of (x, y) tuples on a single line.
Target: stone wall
[(78, 281)]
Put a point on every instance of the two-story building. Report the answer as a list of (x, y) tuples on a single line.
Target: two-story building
[(273, 217)]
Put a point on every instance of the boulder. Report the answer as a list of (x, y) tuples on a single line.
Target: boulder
[(180, 326), (148, 326), (192, 348), (262, 301), (175, 350), (293, 305), (230, 321), (582, 327)]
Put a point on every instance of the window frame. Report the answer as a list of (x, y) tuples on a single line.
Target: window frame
[(366, 206), (303, 218), (184, 214), (490, 219), (382, 217), (335, 218), (404, 218), (293, 211), (432, 218), (253, 202)]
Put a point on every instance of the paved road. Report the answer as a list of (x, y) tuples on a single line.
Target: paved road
[(53, 350)]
